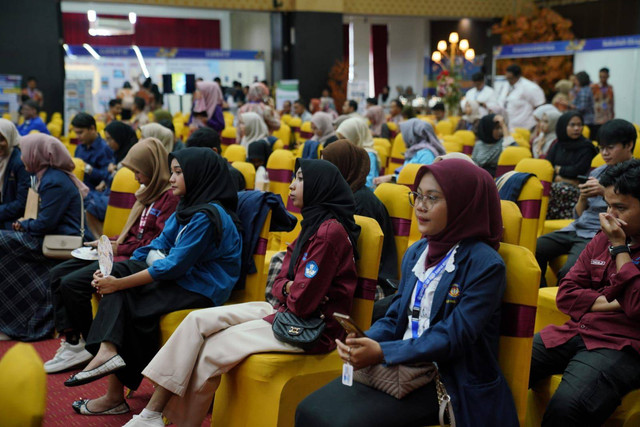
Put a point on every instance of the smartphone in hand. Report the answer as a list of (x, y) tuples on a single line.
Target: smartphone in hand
[(348, 324), (582, 178)]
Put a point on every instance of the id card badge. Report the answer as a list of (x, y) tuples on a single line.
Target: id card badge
[(347, 374)]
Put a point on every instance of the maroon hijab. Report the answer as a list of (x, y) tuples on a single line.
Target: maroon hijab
[(473, 206)]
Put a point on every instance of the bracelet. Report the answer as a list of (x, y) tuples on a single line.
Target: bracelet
[(284, 290)]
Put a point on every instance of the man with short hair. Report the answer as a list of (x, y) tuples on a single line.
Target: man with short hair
[(480, 92), (286, 108), (32, 91), (115, 110), (32, 121), (521, 98), (138, 117), (603, 100), (93, 150), (349, 110), (438, 110), (300, 110), (598, 349), (617, 141), (395, 111)]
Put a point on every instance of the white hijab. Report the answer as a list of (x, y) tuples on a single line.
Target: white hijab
[(255, 129), (10, 133)]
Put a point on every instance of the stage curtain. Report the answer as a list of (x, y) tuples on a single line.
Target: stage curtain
[(378, 49)]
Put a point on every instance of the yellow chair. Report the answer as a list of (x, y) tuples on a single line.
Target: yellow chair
[(407, 177), (529, 202), (398, 149), (121, 200), (34, 131), (453, 146), (235, 153), (586, 132), (636, 150), (7, 116), (23, 389), (227, 138), (278, 145), (248, 171), (229, 118), (454, 120), (444, 127), (383, 154), (468, 139), (626, 415), (271, 385), (511, 222), (305, 132), (78, 171), (395, 198), (525, 133), (393, 128), (283, 134), (597, 161), (543, 169), (286, 118), (280, 169), (295, 123), (510, 157), (55, 129), (43, 116)]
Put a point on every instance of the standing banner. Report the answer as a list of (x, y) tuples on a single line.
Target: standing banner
[(358, 91), (77, 98)]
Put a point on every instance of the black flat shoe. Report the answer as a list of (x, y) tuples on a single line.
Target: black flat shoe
[(109, 367), (80, 406)]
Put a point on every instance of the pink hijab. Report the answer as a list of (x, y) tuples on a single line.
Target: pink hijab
[(211, 97), (375, 115), (40, 152), (257, 92)]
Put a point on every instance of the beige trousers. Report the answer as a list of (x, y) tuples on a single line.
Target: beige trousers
[(208, 343)]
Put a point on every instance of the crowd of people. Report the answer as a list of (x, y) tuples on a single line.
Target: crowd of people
[(182, 247)]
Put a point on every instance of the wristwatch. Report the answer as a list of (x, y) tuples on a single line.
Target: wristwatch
[(88, 169), (615, 250)]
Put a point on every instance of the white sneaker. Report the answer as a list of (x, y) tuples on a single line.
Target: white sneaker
[(68, 356), (138, 421), (5, 337)]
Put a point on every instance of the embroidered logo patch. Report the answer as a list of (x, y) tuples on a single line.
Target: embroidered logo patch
[(454, 293), (598, 262), (310, 270)]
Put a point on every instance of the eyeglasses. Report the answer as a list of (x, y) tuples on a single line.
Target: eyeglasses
[(427, 200)]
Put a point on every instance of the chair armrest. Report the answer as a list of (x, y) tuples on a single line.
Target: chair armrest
[(548, 313)]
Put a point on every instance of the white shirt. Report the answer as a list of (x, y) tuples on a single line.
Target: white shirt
[(427, 299), (482, 97), (520, 100)]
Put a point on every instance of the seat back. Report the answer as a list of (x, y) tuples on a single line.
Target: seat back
[(283, 134), (510, 157), (529, 202), (248, 171), (444, 127), (511, 222), (121, 200), (228, 118), (235, 153), (395, 198), (543, 169), (280, 169), (78, 171), (454, 120), (227, 138), (586, 132), (407, 175), (294, 124), (468, 139), (453, 146), (286, 118), (23, 389), (370, 250), (518, 315), (393, 129), (397, 153), (525, 133), (597, 161), (305, 131)]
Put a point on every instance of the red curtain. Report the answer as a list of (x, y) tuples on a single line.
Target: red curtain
[(345, 43), (149, 32), (378, 47)]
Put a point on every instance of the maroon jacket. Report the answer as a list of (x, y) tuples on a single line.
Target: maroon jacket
[(162, 209), (335, 277), (595, 274)]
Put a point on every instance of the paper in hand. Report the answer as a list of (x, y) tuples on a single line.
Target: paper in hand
[(105, 255)]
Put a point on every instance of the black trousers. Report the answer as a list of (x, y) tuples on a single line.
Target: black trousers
[(593, 381), (552, 245), (129, 319), (336, 405)]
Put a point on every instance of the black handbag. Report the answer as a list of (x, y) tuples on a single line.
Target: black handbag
[(303, 333)]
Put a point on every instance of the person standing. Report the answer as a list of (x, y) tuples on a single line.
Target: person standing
[(583, 102), (32, 91), (480, 92), (522, 97), (603, 100)]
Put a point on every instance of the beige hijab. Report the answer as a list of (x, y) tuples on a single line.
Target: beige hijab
[(356, 130), (155, 130), (10, 133), (149, 157)]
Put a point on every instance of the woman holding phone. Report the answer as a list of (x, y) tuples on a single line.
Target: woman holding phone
[(446, 311)]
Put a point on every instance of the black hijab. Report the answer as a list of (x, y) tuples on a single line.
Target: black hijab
[(561, 129), (485, 129), (259, 150), (124, 135), (207, 179), (325, 195)]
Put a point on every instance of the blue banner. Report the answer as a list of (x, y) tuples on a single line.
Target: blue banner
[(565, 47), (160, 52)]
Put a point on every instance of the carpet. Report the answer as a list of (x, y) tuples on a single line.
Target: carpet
[(59, 397)]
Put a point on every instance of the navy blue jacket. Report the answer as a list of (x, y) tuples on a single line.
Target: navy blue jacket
[(59, 208), (14, 191), (464, 333), (98, 155)]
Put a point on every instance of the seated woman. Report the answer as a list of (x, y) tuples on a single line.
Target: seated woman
[(251, 128), (159, 132), (571, 158), (423, 146), (493, 137), (547, 136), (26, 312), (322, 126), (353, 163), (379, 128), (194, 263), (446, 311), (318, 276), (207, 107), (471, 116), (14, 179), (258, 102), (356, 131), (71, 280)]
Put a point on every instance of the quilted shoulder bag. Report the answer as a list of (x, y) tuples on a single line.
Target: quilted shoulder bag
[(303, 333), (59, 246)]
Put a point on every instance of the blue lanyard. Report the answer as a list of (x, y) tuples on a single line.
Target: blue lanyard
[(422, 288)]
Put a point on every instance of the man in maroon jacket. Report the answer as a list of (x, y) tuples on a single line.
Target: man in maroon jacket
[(598, 349)]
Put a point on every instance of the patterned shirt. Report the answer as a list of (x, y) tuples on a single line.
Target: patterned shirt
[(603, 103), (584, 104)]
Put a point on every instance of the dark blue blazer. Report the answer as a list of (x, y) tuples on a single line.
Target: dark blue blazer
[(463, 336), (14, 191), (59, 208)]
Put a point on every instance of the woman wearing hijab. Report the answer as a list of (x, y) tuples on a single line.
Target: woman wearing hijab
[(471, 116), (318, 274), (357, 132), (547, 135), (376, 117), (353, 163), (194, 263), (207, 107), (258, 102), (71, 280), (159, 132), (322, 126), (252, 128), (14, 179), (538, 114), (446, 311), (571, 157), (493, 137), (26, 310), (120, 137)]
